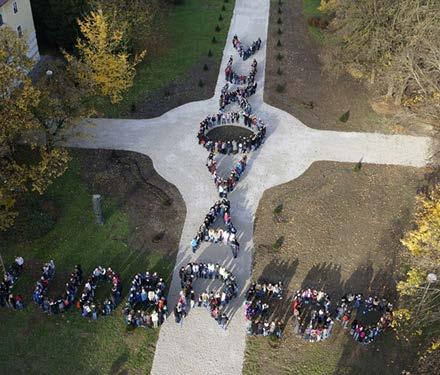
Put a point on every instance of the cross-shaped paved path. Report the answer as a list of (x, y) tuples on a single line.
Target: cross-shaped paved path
[(200, 346)]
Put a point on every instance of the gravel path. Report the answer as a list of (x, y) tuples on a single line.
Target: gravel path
[(200, 345)]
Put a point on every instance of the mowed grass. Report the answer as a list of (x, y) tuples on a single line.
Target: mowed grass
[(34, 343), (311, 9), (186, 34)]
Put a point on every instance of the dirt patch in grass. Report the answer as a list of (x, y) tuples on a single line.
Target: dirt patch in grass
[(308, 93), (341, 233), (155, 209)]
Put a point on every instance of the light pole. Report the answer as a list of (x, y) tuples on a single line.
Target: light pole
[(431, 278)]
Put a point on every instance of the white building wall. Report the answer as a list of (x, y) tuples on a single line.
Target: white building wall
[(22, 18)]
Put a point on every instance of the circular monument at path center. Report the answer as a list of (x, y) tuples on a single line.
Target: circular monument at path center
[(228, 133)]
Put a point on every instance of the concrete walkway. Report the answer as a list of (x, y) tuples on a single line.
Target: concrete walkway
[(200, 346)]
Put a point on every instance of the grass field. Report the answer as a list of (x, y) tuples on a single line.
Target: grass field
[(33, 343), (186, 35)]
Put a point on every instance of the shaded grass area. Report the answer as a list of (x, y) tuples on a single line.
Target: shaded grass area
[(339, 355), (186, 36), (33, 343), (311, 9)]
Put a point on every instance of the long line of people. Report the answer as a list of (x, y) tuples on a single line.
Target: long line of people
[(257, 309), (146, 303), (92, 310), (239, 96), (7, 298), (244, 52), (214, 301), (226, 236), (240, 79)]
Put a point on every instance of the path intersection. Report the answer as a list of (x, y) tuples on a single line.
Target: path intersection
[(200, 346)]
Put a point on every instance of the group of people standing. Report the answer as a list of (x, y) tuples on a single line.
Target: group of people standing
[(239, 96), (146, 304), (89, 308), (227, 236), (61, 303), (361, 332), (7, 298), (245, 53), (226, 185), (214, 301), (244, 144), (240, 79), (317, 323), (257, 309)]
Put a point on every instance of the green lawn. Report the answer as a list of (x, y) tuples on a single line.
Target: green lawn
[(187, 33), (33, 343), (311, 10)]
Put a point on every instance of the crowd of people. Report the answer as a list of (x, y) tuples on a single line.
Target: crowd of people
[(361, 332), (214, 301), (239, 96), (226, 185), (257, 309), (86, 303), (244, 144), (317, 324), (146, 303), (245, 53), (62, 302), (7, 298), (240, 79), (226, 236)]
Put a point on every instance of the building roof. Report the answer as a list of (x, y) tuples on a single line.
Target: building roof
[(3, 2)]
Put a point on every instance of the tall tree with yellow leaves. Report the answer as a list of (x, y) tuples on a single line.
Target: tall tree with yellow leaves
[(420, 294), (103, 58), (18, 99)]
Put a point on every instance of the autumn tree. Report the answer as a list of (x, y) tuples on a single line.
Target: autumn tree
[(18, 99), (394, 45), (64, 101), (102, 58), (136, 18), (420, 296)]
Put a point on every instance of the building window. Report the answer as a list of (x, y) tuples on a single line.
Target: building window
[(15, 7), (19, 31), (1, 20)]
